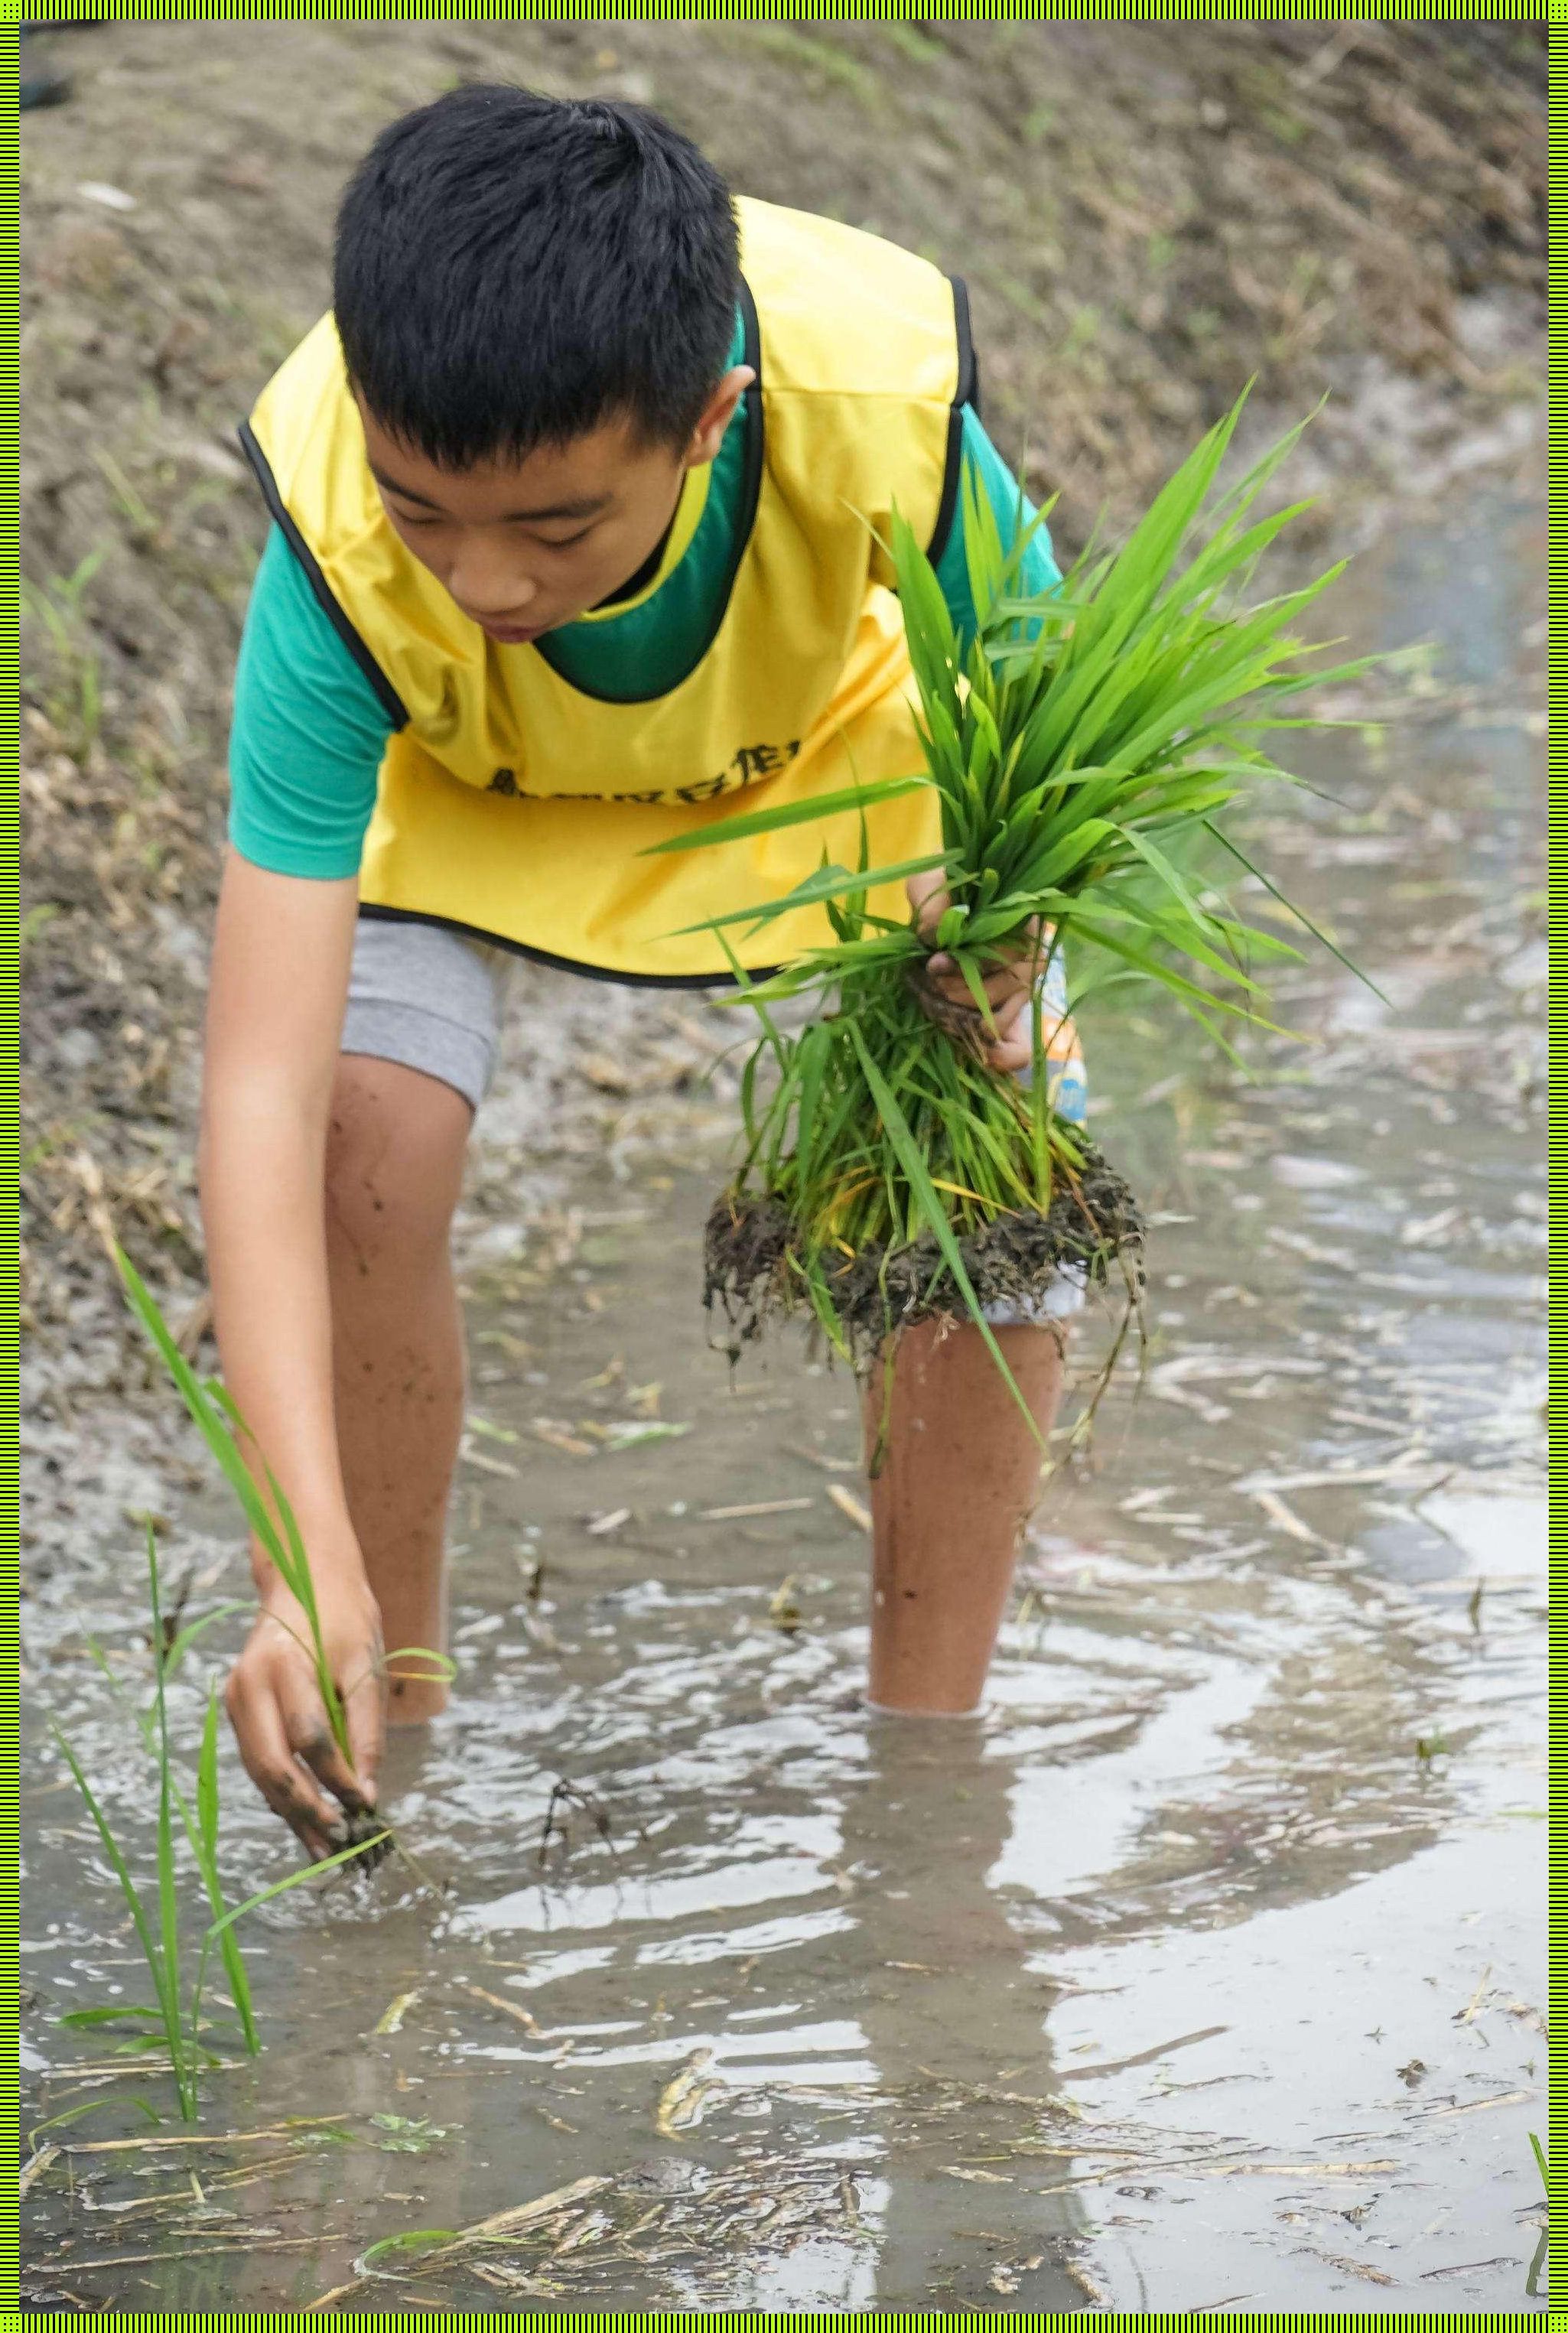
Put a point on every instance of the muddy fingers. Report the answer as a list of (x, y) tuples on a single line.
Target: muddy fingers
[(288, 1744), (268, 1758)]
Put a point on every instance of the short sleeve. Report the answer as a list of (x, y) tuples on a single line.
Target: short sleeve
[(308, 733), (1014, 512)]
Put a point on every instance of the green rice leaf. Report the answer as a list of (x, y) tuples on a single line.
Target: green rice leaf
[(828, 883), (146, 1937), (1299, 913), (295, 1879), (786, 814), (935, 1216), (203, 1413), (86, 2107), (82, 2020), (410, 2244), (204, 1844), (168, 1882)]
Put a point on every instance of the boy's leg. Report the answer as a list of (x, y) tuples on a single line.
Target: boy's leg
[(961, 1471), (394, 1169), (958, 1482), (419, 1043)]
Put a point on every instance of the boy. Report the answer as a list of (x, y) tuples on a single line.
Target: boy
[(570, 495)]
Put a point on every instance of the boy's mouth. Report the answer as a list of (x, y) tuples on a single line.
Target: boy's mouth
[(513, 634)]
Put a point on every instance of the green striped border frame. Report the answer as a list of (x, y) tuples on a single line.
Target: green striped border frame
[(10, 958), (894, 2320), (1557, 890), (11, 15), (800, 11), (899, 2320)]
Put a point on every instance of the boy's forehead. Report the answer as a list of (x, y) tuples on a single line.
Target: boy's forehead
[(579, 479)]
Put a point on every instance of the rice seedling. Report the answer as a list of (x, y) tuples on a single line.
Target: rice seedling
[(174, 2022), (272, 1520), (1081, 751)]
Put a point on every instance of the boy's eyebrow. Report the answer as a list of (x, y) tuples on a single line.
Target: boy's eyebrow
[(584, 506)]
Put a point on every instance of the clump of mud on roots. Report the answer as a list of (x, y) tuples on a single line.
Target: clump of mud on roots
[(752, 1263), (366, 1824)]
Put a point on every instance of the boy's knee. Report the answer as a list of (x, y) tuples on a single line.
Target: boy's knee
[(394, 1163)]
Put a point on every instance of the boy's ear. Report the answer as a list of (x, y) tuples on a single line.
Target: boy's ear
[(716, 416)]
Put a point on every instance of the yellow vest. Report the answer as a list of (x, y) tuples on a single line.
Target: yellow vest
[(512, 804)]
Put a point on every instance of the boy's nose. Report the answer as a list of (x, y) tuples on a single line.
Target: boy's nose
[(490, 586)]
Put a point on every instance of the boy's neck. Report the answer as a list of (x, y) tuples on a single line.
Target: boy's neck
[(648, 569)]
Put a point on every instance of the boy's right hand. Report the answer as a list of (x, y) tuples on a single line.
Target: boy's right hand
[(281, 1724)]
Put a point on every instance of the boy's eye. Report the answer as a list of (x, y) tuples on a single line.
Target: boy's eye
[(563, 541)]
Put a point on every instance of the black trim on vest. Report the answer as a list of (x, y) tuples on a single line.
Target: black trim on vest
[(968, 361), (645, 574), (387, 695), (751, 490), (967, 392), (562, 963)]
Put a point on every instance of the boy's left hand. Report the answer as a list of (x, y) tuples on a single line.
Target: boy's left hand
[(1008, 989)]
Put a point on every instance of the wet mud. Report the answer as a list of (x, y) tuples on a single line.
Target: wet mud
[(752, 1268)]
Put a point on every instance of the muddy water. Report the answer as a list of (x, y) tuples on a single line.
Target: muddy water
[(1208, 1969)]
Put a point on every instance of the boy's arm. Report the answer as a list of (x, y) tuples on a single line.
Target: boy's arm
[(306, 744), (280, 971)]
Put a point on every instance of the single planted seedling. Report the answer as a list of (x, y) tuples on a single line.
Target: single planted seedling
[(272, 1521), (174, 2021)]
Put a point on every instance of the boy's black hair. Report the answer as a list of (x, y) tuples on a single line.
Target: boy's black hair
[(512, 270)]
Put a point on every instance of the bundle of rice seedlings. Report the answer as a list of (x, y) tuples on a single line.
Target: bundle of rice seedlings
[(1083, 751)]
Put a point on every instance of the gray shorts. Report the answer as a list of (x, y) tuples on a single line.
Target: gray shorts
[(429, 998), (433, 999)]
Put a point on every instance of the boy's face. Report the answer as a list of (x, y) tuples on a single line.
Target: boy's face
[(524, 545)]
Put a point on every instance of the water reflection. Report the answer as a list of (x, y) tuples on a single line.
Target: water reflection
[(955, 2020)]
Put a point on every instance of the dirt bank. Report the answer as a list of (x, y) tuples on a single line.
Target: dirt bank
[(1146, 214)]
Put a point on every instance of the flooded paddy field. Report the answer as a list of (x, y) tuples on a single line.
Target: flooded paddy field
[(1206, 1970)]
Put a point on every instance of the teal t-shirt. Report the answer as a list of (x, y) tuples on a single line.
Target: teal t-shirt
[(309, 732)]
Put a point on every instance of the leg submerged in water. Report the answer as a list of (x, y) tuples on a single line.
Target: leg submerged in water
[(958, 1482), (394, 1167)]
